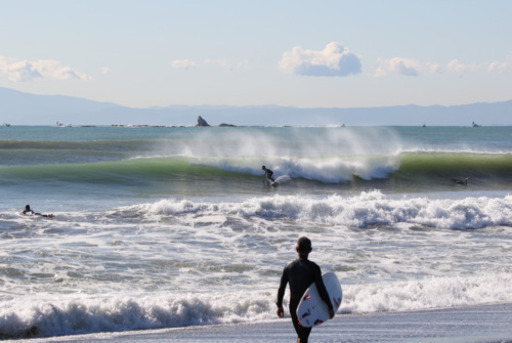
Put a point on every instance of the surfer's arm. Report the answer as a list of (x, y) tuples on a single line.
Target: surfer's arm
[(280, 294), (282, 288)]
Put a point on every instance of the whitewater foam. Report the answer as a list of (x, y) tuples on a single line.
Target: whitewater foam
[(79, 315), (364, 210)]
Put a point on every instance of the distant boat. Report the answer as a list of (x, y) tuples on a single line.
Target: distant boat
[(59, 124), (475, 125), (7, 125)]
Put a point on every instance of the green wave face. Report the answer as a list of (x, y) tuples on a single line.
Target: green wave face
[(408, 172)]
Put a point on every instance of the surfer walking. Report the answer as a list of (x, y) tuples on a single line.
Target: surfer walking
[(300, 274), (268, 173)]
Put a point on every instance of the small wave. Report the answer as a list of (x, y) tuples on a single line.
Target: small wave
[(115, 314), (427, 293)]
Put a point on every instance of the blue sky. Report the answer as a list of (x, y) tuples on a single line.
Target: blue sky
[(290, 53)]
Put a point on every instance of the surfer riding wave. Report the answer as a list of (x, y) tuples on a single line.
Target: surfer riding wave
[(268, 173)]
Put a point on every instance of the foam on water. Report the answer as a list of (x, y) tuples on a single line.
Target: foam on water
[(78, 315), (138, 266), (365, 210)]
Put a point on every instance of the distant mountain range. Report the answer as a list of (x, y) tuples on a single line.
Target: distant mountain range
[(18, 108)]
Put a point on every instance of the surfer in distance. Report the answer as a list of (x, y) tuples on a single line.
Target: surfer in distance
[(300, 274), (268, 173), (463, 182), (28, 212)]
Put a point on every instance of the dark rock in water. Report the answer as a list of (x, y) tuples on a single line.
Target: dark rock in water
[(202, 122)]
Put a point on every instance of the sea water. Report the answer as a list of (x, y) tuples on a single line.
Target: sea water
[(176, 226)]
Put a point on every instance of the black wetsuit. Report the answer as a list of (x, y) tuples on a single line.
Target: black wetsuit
[(301, 273), (268, 174)]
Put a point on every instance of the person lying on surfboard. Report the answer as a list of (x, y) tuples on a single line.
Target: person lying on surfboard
[(463, 182), (301, 273), (28, 212), (268, 173)]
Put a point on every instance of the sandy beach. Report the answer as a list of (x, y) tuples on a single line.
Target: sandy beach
[(485, 323)]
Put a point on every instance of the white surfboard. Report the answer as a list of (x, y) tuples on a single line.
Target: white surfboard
[(312, 310), (272, 183)]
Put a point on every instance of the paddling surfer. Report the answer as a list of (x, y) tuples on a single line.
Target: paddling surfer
[(300, 274), (28, 212)]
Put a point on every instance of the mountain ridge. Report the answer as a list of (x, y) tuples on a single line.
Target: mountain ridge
[(19, 108)]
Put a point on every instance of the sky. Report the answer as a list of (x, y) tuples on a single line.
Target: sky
[(308, 54)]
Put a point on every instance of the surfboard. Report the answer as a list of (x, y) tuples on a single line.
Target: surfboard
[(312, 310), (37, 215), (272, 183)]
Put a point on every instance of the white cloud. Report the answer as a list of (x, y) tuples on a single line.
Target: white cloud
[(105, 70), (23, 70), (334, 60), (185, 64), (500, 67), (411, 67), (460, 68), (18, 71), (404, 66), (493, 67)]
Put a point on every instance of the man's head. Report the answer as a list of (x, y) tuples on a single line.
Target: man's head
[(304, 246)]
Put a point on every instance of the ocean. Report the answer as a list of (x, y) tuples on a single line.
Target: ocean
[(165, 227)]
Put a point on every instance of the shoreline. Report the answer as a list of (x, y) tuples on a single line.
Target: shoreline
[(480, 323)]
